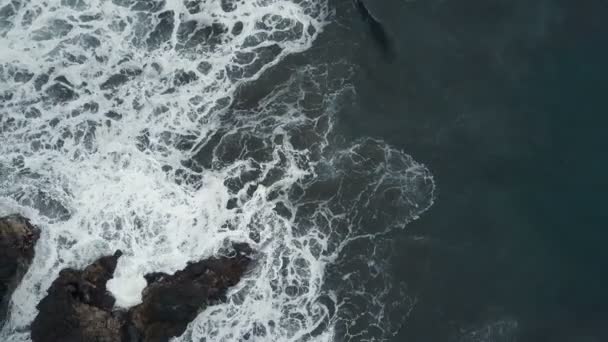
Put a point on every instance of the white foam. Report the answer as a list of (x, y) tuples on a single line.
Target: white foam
[(96, 184)]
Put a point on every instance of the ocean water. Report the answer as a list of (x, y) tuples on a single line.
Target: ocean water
[(167, 129), (450, 191), (504, 101)]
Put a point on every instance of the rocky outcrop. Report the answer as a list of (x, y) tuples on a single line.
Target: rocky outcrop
[(78, 307), (170, 302), (17, 239)]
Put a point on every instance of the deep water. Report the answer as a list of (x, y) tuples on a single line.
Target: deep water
[(505, 102)]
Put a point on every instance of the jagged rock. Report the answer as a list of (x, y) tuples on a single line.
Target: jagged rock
[(17, 239), (78, 307), (170, 302)]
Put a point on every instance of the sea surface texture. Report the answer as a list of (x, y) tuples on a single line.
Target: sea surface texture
[(434, 174), (169, 128)]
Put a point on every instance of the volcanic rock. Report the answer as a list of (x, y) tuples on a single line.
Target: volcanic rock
[(17, 239), (170, 302), (78, 307)]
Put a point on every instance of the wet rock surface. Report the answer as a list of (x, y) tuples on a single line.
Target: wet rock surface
[(17, 240), (78, 306), (170, 302)]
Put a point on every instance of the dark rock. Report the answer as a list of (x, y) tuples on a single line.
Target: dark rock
[(78, 307), (170, 302), (17, 240)]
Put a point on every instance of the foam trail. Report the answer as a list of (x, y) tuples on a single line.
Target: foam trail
[(118, 133)]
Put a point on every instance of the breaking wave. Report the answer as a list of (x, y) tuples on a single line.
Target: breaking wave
[(119, 130)]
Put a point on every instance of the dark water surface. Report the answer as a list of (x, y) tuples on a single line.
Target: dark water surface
[(505, 101)]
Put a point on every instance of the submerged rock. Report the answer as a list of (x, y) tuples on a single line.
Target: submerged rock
[(78, 307), (17, 239)]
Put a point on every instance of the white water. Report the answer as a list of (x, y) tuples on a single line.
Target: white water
[(112, 167)]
